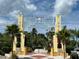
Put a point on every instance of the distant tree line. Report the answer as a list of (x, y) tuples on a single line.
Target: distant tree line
[(35, 40)]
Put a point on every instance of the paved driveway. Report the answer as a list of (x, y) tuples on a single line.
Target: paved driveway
[(2, 57)]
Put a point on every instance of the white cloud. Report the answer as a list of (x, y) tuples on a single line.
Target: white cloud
[(10, 8), (5, 21), (31, 7), (14, 13), (24, 6), (63, 6), (2, 21), (27, 1), (7, 6)]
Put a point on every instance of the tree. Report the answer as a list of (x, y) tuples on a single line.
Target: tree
[(36, 40), (49, 36), (34, 31), (42, 41), (12, 29), (64, 35), (33, 38), (75, 35), (5, 44)]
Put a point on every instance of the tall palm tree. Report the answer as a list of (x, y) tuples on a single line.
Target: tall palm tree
[(76, 35), (11, 31), (64, 34), (49, 36), (33, 38)]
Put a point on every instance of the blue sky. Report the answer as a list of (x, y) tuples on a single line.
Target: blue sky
[(39, 13)]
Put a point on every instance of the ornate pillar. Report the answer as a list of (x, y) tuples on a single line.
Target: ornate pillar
[(54, 49), (22, 42), (20, 25), (58, 24), (14, 44), (57, 29)]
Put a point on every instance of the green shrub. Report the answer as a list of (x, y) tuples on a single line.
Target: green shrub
[(1, 52), (74, 55)]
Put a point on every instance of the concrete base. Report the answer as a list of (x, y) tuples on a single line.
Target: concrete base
[(14, 52), (22, 52), (39, 57), (57, 54)]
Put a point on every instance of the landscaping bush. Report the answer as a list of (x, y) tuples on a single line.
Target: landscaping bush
[(74, 55), (1, 52)]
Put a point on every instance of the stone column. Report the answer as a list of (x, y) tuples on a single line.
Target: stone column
[(55, 43), (20, 22), (22, 43), (58, 24), (55, 38), (14, 44), (20, 25)]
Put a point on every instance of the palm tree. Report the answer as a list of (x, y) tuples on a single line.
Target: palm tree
[(49, 36), (11, 31), (64, 34), (33, 38), (75, 35)]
